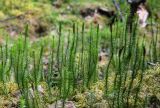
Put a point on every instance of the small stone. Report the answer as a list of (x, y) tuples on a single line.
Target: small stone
[(59, 104), (142, 16)]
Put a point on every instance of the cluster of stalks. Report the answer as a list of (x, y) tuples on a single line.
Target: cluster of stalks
[(76, 59), (129, 59)]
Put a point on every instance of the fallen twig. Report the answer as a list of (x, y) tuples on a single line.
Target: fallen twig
[(118, 8), (16, 17)]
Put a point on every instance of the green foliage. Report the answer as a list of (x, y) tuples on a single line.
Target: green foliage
[(65, 66), (68, 62)]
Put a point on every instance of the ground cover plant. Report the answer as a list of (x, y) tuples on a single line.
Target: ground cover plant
[(66, 69)]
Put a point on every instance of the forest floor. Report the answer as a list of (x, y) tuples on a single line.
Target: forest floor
[(43, 19)]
